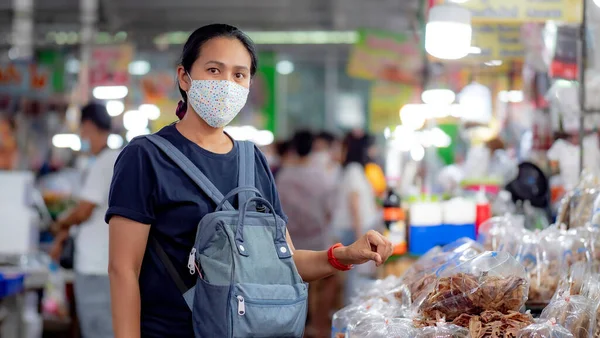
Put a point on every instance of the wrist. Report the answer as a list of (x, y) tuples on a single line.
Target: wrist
[(341, 255)]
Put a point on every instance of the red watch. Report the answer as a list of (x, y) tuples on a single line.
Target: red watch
[(334, 262)]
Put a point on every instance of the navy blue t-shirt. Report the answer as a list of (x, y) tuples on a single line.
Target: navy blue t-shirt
[(149, 188)]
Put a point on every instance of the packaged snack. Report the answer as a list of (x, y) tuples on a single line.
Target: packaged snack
[(494, 324), (572, 283), (591, 291), (545, 329), (541, 256), (351, 315), (383, 328), (581, 203), (442, 330), (501, 234), (492, 281), (575, 246), (576, 313)]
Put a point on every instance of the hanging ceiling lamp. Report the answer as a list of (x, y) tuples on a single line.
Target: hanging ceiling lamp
[(448, 32)]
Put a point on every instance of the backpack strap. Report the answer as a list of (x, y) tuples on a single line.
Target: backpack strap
[(190, 169), (246, 172), (164, 258)]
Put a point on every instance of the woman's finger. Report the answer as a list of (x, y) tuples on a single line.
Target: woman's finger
[(381, 243), (372, 256)]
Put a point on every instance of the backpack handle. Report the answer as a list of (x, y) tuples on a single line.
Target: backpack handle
[(281, 246), (234, 192)]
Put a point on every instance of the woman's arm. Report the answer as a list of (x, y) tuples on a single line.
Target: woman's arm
[(314, 265), (126, 251)]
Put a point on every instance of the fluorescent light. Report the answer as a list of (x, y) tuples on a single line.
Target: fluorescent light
[(152, 111), (474, 50), (135, 133), (448, 32), (494, 63), (417, 153), (110, 92), (263, 138), (438, 96), (134, 120), (139, 67), (67, 141), (284, 67), (114, 141), (115, 108), (413, 116)]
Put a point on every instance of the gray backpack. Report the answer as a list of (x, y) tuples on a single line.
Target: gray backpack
[(248, 285)]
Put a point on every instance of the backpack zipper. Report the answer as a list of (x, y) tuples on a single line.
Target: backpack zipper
[(241, 306), (192, 262)]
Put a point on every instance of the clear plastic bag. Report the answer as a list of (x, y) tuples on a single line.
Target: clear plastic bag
[(541, 255), (383, 328), (350, 316), (576, 313), (591, 291), (573, 282), (545, 329), (501, 234), (581, 202), (575, 246), (493, 281), (443, 330)]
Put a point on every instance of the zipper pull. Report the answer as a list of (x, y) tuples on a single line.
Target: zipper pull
[(191, 261), (241, 306)]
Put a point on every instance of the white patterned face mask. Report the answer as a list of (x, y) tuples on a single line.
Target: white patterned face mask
[(217, 102)]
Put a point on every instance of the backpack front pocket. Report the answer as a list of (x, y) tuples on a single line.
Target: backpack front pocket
[(269, 310)]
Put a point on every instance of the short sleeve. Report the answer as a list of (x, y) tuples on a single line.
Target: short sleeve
[(97, 182), (275, 201), (132, 192), (556, 151)]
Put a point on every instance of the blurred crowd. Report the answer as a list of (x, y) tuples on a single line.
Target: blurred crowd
[(328, 198)]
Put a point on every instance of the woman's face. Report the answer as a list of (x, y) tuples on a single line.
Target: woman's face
[(220, 58)]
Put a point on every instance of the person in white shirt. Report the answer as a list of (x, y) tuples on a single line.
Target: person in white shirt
[(356, 207), (92, 288), (564, 158)]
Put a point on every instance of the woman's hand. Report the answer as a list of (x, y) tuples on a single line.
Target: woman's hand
[(372, 246), (57, 245)]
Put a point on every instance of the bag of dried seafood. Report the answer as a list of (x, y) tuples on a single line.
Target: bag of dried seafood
[(573, 281), (591, 291), (541, 256), (581, 203), (350, 316), (492, 281), (383, 328), (575, 246), (494, 324), (576, 313), (442, 330), (545, 329)]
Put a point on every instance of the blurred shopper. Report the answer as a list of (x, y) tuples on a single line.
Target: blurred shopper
[(92, 289), (356, 208), (286, 156), (304, 190), (326, 154), (152, 198)]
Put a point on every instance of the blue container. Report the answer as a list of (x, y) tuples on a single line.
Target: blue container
[(424, 238), (11, 284)]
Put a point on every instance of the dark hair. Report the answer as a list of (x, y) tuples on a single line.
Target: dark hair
[(97, 114), (303, 142), (193, 45), (326, 136), (283, 147), (357, 148)]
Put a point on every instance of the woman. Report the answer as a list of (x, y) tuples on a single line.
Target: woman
[(151, 195), (356, 208)]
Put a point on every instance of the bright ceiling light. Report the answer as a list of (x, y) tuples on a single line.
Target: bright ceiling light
[(114, 141), (139, 67), (413, 116), (135, 120), (67, 141), (448, 32), (135, 133), (284, 67), (263, 138), (110, 92), (417, 153), (152, 111), (597, 3), (438, 96), (474, 50), (115, 108), (494, 63)]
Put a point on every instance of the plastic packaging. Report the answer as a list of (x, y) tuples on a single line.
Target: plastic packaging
[(545, 329), (576, 313), (501, 234), (443, 330), (383, 328), (541, 255), (573, 282), (54, 301), (493, 281), (494, 323), (349, 317), (575, 246)]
